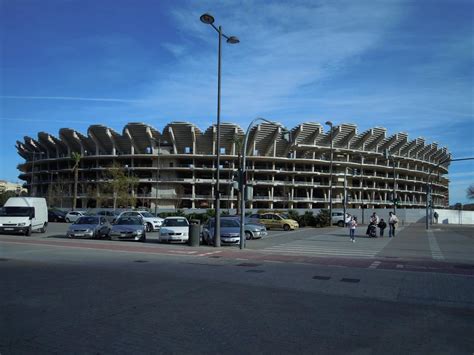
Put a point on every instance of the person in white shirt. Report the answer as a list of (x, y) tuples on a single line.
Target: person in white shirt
[(392, 223), (352, 228)]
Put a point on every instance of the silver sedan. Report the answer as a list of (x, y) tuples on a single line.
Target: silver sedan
[(89, 227)]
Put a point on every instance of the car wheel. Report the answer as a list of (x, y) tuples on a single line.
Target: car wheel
[(286, 227), (340, 224), (68, 220), (248, 235), (28, 232), (143, 240), (149, 227), (43, 229)]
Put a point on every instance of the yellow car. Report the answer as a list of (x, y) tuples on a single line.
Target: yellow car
[(274, 220)]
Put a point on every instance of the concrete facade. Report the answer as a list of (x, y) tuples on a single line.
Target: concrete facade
[(176, 168)]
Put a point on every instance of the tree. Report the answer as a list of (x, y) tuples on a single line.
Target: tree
[(5, 195), (77, 159), (121, 186), (470, 192), (57, 190)]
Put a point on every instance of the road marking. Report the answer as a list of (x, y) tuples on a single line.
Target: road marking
[(310, 253), (434, 247), (210, 253), (375, 264)]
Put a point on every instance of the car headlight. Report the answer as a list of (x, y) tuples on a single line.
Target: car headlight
[(138, 232), (22, 224)]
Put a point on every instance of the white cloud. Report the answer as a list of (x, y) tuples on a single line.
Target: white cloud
[(284, 48)]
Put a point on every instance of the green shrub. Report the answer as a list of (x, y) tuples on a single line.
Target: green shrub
[(323, 219)]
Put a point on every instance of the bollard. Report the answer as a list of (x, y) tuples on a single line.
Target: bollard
[(194, 233)]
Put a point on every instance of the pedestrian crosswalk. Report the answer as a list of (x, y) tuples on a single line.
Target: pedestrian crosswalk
[(331, 245)]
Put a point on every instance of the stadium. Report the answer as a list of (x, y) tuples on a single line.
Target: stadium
[(176, 168)]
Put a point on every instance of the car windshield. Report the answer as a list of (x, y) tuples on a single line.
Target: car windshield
[(129, 221), (284, 216), (146, 214), (229, 223), (175, 223), (87, 220), (16, 211)]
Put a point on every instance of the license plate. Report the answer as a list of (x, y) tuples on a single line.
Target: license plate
[(78, 235), (8, 229)]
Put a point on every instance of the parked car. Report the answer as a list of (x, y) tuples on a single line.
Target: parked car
[(275, 220), (110, 215), (56, 216), (152, 223), (338, 218), (89, 227), (73, 216), (230, 231), (254, 230), (128, 228), (174, 229)]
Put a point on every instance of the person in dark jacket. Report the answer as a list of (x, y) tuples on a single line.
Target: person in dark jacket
[(382, 225)]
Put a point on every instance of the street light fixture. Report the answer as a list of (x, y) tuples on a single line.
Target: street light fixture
[(209, 20), (286, 136), (329, 123)]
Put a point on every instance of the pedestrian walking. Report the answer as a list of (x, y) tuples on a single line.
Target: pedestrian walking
[(382, 225), (436, 215), (392, 223), (352, 228)]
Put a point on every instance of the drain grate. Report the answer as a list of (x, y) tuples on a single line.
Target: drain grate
[(248, 265), (255, 271), (321, 277), (140, 261), (350, 280)]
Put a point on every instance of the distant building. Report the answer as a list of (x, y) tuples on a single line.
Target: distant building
[(11, 186), (177, 167)]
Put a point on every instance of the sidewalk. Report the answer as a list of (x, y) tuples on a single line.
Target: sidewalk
[(446, 243)]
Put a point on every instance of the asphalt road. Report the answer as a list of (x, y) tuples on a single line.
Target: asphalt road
[(98, 297)]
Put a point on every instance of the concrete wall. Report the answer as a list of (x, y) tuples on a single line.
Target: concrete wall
[(455, 217)]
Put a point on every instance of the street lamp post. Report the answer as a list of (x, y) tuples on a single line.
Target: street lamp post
[(157, 174), (209, 20), (33, 191), (243, 174), (329, 123)]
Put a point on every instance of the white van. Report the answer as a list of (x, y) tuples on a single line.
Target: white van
[(24, 215)]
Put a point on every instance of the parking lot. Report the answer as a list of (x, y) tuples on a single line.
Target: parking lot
[(446, 244)]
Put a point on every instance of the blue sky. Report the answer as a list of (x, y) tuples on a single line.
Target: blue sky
[(405, 65)]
